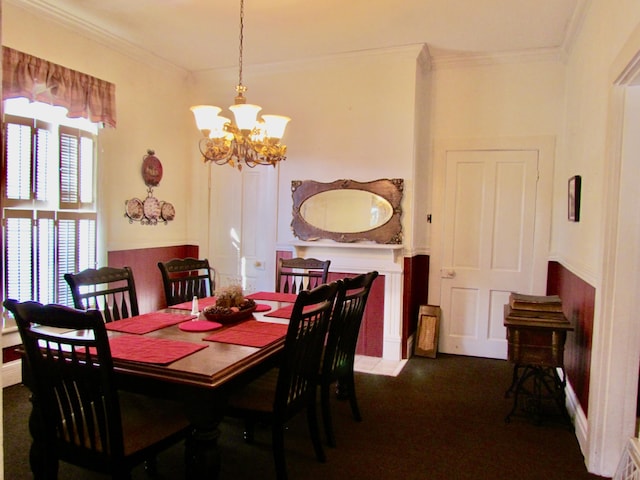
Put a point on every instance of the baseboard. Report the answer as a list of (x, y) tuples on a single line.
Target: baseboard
[(11, 373), (579, 419), (410, 345)]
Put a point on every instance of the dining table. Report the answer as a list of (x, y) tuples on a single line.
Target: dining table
[(176, 353)]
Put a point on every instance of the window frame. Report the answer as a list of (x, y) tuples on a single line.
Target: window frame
[(77, 218)]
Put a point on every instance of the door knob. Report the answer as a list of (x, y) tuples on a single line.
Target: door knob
[(447, 273)]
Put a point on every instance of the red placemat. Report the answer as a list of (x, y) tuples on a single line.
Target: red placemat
[(284, 312), (250, 333), (199, 326), (262, 307), (151, 350), (274, 296), (202, 302), (147, 322)]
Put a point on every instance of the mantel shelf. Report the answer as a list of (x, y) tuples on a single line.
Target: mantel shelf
[(354, 257), (357, 245)]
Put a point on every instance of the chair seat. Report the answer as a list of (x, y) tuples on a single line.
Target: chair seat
[(140, 434), (256, 396)]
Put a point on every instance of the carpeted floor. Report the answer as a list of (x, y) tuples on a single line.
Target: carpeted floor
[(439, 419)]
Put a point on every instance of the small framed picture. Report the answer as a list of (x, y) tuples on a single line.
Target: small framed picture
[(575, 184), (426, 343)]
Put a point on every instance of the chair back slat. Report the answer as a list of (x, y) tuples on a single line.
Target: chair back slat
[(185, 278), (110, 290), (303, 348), (346, 320), (294, 275)]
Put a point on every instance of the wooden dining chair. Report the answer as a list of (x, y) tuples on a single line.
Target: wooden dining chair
[(110, 290), (185, 278), (340, 349), (281, 393), (78, 415), (296, 274)]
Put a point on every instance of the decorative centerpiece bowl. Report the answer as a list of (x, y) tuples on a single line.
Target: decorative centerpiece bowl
[(231, 306)]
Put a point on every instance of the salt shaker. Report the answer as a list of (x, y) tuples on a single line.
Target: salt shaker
[(194, 306)]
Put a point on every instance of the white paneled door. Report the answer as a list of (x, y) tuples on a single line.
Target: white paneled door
[(488, 243)]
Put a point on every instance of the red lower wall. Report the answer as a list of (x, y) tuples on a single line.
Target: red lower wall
[(372, 327), (144, 263), (415, 293), (578, 299)]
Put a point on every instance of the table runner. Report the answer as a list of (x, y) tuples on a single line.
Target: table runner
[(147, 322), (250, 333), (202, 302), (151, 350), (274, 296)]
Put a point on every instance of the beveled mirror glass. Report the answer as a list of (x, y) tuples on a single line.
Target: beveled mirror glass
[(347, 210)]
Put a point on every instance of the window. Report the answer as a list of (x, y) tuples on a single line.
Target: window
[(49, 200)]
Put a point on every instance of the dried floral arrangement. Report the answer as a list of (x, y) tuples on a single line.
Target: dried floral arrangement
[(229, 300)]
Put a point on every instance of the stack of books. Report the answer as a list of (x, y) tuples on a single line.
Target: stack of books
[(535, 307)]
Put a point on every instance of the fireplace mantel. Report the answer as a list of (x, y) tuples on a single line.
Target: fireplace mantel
[(362, 257)]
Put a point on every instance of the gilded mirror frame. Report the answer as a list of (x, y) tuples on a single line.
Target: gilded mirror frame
[(389, 189)]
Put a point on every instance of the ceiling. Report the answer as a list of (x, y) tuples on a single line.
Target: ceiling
[(201, 34)]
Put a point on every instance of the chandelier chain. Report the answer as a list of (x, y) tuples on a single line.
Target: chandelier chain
[(241, 43), (248, 141)]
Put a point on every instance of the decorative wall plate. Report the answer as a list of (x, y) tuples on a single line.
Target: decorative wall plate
[(134, 209), (151, 208), (167, 211), (151, 169)]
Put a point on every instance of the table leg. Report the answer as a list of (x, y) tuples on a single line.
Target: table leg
[(535, 385), (202, 455)]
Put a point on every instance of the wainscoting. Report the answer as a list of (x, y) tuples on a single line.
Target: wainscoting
[(144, 263), (578, 298)]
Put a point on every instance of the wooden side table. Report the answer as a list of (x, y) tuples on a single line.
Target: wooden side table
[(536, 348)]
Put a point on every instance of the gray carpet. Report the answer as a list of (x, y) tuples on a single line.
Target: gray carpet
[(439, 419)]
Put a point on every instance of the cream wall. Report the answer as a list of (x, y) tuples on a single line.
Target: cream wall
[(498, 97), (605, 29), (608, 42), (151, 114), (353, 116)]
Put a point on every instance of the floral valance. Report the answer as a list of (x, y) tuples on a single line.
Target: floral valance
[(24, 75)]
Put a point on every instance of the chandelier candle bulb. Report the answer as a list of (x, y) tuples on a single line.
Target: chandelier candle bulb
[(205, 117), (245, 115), (275, 125)]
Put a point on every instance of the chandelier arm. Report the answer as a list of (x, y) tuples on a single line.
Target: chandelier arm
[(217, 156)]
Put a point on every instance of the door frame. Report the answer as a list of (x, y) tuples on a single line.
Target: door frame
[(613, 388), (545, 145)]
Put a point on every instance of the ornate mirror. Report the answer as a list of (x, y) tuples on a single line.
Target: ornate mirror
[(348, 211)]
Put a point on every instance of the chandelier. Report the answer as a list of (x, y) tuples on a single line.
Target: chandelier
[(245, 140)]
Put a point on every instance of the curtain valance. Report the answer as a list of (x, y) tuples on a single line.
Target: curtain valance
[(24, 75)]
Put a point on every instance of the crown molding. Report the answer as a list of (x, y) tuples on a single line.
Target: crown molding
[(575, 26), (446, 59), (93, 32)]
